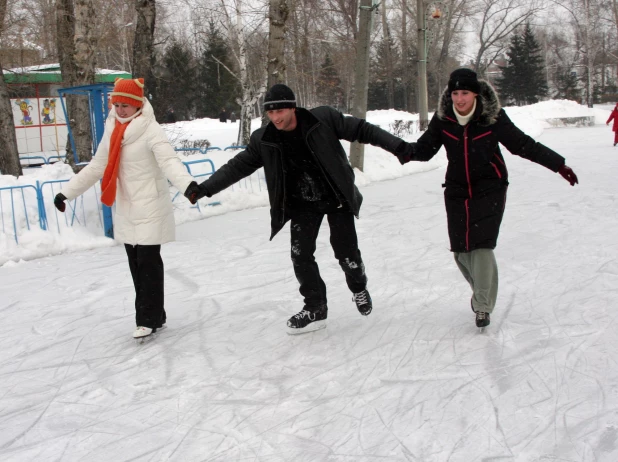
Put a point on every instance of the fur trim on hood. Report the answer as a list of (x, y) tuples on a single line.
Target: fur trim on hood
[(487, 105)]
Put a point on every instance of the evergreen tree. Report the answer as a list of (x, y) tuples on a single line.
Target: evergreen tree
[(567, 85), (177, 88), (329, 89), (523, 79), (377, 95), (216, 87), (535, 82), (510, 84)]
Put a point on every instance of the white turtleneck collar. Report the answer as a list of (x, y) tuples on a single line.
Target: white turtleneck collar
[(463, 120), (130, 118)]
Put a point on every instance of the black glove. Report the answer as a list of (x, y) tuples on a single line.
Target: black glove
[(59, 202), (404, 152), (568, 174), (193, 192)]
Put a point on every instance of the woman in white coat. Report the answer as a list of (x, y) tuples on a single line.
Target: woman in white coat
[(133, 160)]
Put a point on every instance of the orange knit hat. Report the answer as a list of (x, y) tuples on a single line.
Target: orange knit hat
[(128, 91)]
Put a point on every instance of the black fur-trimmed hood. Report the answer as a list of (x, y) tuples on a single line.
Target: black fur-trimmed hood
[(487, 105)]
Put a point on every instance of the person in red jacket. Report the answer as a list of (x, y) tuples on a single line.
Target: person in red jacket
[(614, 116)]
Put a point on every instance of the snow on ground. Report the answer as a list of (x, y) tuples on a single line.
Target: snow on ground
[(413, 381)]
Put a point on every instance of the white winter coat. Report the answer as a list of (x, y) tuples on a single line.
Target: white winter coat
[(144, 213)]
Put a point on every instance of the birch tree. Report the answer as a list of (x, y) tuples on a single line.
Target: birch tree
[(278, 12), (143, 45), (251, 89), (390, 78), (75, 42)]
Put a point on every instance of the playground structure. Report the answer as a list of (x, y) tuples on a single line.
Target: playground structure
[(40, 127)]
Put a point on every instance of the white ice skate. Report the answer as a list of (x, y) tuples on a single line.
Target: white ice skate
[(141, 333)]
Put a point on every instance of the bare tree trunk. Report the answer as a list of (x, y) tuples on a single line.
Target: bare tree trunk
[(143, 46), (361, 78), (404, 54), (84, 41), (249, 95), (278, 16), (246, 111), (278, 13), (390, 80), (615, 14), (590, 55), (75, 50), (9, 156)]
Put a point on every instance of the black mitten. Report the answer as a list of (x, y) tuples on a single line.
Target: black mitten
[(193, 192), (568, 174), (59, 202)]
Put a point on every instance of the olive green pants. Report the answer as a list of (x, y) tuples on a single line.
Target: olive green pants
[(481, 271)]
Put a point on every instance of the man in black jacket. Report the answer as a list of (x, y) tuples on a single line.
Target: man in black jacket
[(308, 176)]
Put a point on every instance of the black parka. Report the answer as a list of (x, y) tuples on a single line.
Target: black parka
[(476, 175), (322, 129)]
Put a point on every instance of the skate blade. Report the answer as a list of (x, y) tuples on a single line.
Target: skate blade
[(145, 339), (482, 329), (317, 325)]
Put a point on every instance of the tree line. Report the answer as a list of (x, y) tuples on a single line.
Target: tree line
[(201, 56)]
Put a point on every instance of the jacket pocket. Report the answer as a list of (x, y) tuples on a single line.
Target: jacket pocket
[(482, 135)]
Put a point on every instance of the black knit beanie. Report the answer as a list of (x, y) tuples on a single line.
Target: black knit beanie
[(279, 97), (463, 79)]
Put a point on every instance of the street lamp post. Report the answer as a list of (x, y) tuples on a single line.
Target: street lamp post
[(427, 14)]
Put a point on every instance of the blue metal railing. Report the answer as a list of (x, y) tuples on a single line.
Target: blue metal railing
[(188, 165), (200, 150), (17, 215), (43, 160), (14, 217)]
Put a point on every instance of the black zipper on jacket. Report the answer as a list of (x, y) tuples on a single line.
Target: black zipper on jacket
[(465, 136), (320, 164)]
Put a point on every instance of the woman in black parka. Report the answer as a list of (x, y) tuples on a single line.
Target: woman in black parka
[(470, 123)]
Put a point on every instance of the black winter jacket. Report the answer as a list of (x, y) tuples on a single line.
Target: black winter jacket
[(322, 129), (476, 176)]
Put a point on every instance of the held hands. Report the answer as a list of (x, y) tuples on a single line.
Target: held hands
[(568, 174), (59, 202), (193, 192), (404, 152)]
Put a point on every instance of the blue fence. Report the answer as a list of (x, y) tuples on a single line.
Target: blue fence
[(25, 207), (19, 212), (26, 161)]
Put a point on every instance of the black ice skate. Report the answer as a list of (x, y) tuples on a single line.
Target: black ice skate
[(482, 319), (308, 320), (363, 302)]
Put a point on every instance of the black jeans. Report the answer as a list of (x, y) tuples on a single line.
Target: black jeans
[(304, 229), (147, 271)]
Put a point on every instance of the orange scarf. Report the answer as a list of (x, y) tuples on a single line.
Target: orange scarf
[(108, 184)]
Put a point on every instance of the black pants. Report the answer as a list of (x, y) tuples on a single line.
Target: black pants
[(147, 271), (304, 229)]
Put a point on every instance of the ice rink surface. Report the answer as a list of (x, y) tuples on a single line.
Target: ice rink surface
[(414, 381)]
